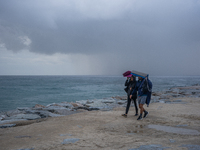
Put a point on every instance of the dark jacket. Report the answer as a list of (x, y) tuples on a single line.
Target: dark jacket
[(130, 85), (140, 88)]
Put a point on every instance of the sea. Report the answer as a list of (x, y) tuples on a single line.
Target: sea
[(27, 91)]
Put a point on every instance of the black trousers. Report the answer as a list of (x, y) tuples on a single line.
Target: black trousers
[(129, 103)]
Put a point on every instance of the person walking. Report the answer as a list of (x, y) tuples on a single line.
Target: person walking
[(142, 86), (130, 85)]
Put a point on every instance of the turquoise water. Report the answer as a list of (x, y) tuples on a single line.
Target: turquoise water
[(26, 91)]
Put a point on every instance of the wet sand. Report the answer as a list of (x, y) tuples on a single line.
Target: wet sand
[(109, 130)]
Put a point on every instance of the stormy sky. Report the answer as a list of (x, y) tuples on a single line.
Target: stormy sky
[(99, 37)]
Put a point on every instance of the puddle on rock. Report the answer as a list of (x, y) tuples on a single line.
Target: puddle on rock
[(174, 130), (192, 147), (150, 147)]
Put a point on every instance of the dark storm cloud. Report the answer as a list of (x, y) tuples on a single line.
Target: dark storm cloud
[(154, 35), (51, 27)]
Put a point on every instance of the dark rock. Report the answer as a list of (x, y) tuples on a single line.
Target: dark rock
[(41, 113), (23, 116), (177, 100), (55, 109), (93, 108), (2, 117), (81, 107), (176, 95), (7, 125), (64, 112), (13, 112), (23, 108), (66, 105), (167, 101), (89, 101)]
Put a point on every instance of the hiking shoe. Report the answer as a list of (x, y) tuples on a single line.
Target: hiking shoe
[(140, 117), (124, 115), (145, 114)]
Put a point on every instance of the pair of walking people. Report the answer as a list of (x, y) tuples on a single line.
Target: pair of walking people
[(137, 90)]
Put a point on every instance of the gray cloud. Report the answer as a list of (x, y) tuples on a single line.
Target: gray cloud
[(135, 31)]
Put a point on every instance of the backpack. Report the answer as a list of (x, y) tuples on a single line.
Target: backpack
[(147, 86)]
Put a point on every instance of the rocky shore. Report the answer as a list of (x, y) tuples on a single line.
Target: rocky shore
[(40, 112), (172, 124)]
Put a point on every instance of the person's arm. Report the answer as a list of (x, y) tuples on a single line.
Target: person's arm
[(134, 90), (127, 82)]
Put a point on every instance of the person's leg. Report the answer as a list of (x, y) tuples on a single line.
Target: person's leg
[(141, 108), (136, 107), (128, 105), (145, 113), (141, 102)]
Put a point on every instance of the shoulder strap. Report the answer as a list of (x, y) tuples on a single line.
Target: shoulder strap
[(141, 83)]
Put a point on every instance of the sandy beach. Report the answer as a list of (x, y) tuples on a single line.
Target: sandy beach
[(174, 125)]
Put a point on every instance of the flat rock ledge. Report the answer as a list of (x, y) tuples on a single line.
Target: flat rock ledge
[(40, 112)]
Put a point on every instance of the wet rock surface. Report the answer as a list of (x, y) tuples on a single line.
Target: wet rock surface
[(58, 109), (192, 147), (176, 92), (23, 116)]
